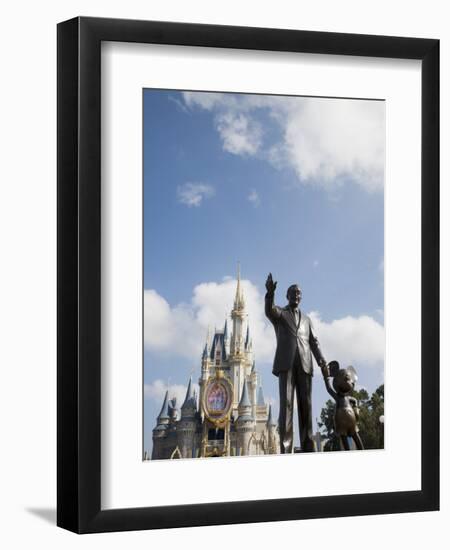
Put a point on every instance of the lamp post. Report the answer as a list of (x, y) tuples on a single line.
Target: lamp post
[(381, 420)]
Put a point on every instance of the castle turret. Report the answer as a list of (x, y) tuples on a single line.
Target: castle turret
[(240, 359), (160, 430), (245, 422), (245, 406), (186, 427), (261, 406), (163, 416), (189, 406)]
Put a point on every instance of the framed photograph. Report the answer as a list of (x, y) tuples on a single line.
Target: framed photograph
[(248, 271)]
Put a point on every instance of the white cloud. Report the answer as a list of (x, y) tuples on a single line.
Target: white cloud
[(157, 390), (239, 133), (254, 198), (192, 194), (315, 263), (323, 140), (328, 139), (205, 100), (351, 340), (181, 330)]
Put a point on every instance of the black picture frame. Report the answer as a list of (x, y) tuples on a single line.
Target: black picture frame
[(79, 275)]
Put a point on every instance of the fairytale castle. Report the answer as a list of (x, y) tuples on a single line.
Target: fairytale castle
[(229, 417)]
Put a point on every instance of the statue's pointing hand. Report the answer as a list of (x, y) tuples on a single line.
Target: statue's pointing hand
[(271, 285)]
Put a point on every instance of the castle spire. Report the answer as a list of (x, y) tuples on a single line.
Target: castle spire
[(189, 394), (260, 402), (245, 401), (245, 406), (239, 303), (164, 413), (237, 315), (189, 407)]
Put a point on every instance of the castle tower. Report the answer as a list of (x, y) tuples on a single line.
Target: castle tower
[(160, 431), (245, 422), (186, 427), (240, 357)]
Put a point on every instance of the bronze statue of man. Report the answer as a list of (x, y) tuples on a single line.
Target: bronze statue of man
[(296, 343)]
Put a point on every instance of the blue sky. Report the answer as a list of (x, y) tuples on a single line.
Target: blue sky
[(292, 186)]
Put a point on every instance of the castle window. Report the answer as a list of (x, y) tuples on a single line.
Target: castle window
[(215, 434)]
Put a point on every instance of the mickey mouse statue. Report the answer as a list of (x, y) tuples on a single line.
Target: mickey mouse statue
[(346, 411)]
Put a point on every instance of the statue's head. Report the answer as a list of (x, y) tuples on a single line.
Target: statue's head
[(344, 380), (294, 295)]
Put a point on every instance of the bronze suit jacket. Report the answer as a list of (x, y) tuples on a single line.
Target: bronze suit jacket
[(291, 338)]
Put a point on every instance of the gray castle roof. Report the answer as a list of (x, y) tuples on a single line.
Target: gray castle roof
[(190, 401), (245, 401), (164, 413), (260, 399), (245, 406), (218, 340)]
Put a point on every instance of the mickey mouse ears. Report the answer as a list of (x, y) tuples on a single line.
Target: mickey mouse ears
[(333, 367)]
